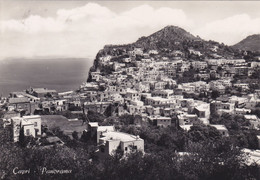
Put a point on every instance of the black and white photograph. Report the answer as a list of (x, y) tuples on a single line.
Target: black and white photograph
[(129, 90)]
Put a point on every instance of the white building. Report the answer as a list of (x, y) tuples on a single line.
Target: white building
[(110, 141), (253, 120), (160, 121), (30, 124), (222, 129)]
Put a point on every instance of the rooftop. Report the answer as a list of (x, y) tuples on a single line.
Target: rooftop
[(219, 127), (119, 136), (251, 117), (53, 139), (19, 100), (186, 127), (43, 90), (32, 117), (106, 128), (93, 124)]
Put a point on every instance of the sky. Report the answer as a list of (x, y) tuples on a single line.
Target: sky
[(81, 28)]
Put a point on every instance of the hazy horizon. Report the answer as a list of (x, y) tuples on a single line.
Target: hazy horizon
[(50, 73)]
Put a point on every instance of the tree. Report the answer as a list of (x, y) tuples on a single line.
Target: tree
[(21, 136), (75, 135), (202, 133), (214, 94)]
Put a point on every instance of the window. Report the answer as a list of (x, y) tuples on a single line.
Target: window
[(125, 148), (35, 124), (134, 147), (27, 132)]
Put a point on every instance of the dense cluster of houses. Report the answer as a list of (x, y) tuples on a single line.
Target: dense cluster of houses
[(145, 84), (19, 111)]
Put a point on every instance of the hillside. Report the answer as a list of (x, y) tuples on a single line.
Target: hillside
[(250, 43), (167, 42)]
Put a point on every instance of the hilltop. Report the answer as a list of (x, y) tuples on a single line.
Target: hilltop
[(168, 37), (167, 42)]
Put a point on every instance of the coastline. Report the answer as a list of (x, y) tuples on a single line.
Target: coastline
[(61, 74)]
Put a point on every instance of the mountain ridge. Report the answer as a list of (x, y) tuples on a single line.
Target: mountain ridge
[(250, 43), (173, 38)]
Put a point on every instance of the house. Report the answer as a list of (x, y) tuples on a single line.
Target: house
[(159, 101), (252, 102), (222, 129), (241, 111), (95, 76), (31, 126), (185, 67), (132, 95), (117, 98), (36, 121), (187, 88), (136, 51), (95, 130), (199, 65), (202, 75), (166, 93), (253, 120), (159, 85), (238, 101), (142, 87), (110, 141), (136, 109), (214, 48), (253, 156), (192, 51), (243, 86), (105, 59), (22, 104), (167, 112), (24, 95), (202, 110), (187, 119), (60, 104), (241, 71), (89, 86), (177, 53), (117, 66), (160, 121), (42, 92), (155, 52), (98, 107), (217, 106)]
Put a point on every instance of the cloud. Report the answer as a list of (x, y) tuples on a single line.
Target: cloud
[(230, 30), (82, 31), (32, 24)]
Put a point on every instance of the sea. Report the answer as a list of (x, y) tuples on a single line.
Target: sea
[(61, 74)]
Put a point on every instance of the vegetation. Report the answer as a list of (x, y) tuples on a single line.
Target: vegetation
[(205, 158)]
